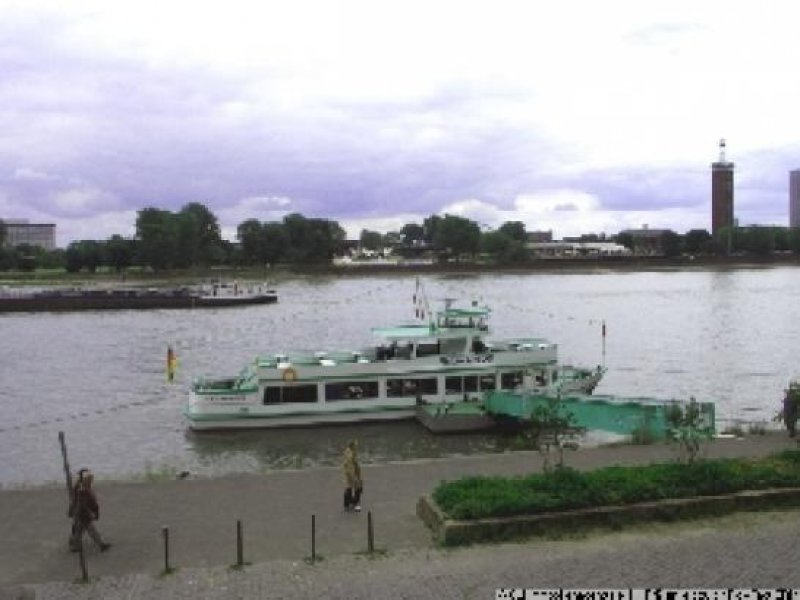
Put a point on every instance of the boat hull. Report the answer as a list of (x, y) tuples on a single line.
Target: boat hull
[(253, 419), (462, 417)]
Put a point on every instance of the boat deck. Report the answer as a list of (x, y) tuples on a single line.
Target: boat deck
[(455, 417)]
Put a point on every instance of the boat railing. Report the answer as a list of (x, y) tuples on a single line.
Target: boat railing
[(521, 345), (457, 359)]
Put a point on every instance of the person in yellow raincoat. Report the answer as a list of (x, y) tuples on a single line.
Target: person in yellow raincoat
[(352, 475)]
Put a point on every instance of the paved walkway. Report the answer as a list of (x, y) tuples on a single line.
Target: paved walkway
[(276, 510)]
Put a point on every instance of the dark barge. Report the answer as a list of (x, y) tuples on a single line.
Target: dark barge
[(209, 296)]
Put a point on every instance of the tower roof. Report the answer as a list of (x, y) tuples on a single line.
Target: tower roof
[(723, 163)]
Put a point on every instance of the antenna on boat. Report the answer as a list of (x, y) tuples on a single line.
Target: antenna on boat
[(604, 343)]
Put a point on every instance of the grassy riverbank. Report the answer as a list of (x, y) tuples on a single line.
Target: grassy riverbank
[(139, 276)]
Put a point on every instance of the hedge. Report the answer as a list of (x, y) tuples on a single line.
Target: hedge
[(568, 489)]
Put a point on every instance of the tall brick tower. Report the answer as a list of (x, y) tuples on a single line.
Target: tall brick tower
[(794, 198), (721, 192)]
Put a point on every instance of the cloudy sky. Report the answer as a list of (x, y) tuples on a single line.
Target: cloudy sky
[(574, 116)]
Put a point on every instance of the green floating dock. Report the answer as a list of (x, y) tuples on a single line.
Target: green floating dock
[(604, 413)]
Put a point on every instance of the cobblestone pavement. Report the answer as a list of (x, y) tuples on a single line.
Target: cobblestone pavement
[(276, 510), (741, 551)]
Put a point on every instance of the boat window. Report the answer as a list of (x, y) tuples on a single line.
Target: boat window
[(403, 351), (351, 390), (396, 388), (453, 385), (457, 384), (272, 395), (471, 383), (427, 350), (428, 385), (299, 393), (511, 380), (488, 382)]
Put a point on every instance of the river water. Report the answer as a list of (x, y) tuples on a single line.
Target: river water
[(727, 336)]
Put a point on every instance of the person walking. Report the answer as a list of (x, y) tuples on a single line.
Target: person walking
[(352, 475), (84, 511)]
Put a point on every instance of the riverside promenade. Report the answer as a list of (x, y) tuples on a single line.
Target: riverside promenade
[(276, 509)]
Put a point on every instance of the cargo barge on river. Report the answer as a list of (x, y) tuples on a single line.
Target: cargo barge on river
[(216, 295)]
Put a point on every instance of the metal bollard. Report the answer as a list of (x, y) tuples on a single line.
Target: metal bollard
[(313, 538), (239, 544), (165, 533), (370, 534)]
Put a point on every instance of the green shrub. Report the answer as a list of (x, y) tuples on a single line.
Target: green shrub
[(565, 488)]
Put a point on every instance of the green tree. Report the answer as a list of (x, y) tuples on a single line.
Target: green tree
[(495, 244), (456, 236), (754, 240), (793, 239), (157, 232), (697, 241), (199, 235), (671, 244), (119, 252), (8, 259), (503, 249), (84, 254), (430, 228), (550, 425), (625, 239), (250, 234), (391, 239), (370, 240), (515, 230), (412, 234), (781, 239), (276, 241), (687, 428), (3, 233), (727, 240), (312, 240), (26, 257), (51, 259)]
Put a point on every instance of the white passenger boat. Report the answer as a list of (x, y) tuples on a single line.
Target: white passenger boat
[(445, 359)]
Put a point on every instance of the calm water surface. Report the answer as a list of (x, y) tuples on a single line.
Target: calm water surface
[(727, 336)]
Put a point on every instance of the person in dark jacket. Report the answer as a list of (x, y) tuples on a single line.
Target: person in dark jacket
[(84, 511)]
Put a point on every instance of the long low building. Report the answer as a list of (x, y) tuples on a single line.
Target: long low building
[(558, 249)]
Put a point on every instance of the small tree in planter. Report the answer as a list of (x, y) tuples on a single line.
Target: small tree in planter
[(687, 428), (552, 425)]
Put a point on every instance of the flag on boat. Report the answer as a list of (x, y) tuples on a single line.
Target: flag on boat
[(419, 303), (172, 363)]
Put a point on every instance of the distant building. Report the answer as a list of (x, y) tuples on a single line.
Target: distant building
[(540, 237), (721, 192), (794, 198), (19, 231), (646, 241)]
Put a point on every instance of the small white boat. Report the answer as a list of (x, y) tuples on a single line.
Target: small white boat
[(442, 360)]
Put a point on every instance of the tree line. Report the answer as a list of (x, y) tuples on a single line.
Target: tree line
[(167, 240)]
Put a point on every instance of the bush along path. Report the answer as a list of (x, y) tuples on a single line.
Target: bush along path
[(483, 508)]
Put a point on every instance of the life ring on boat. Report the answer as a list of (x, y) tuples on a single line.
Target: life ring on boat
[(289, 374)]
